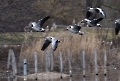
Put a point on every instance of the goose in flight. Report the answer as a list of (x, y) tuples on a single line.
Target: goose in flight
[(93, 13), (93, 17), (117, 26), (75, 29), (37, 26), (92, 23), (54, 42)]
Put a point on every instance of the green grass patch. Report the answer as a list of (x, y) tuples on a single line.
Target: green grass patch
[(20, 37)]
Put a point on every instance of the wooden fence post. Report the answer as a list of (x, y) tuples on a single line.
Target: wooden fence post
[(25, 69), (12, 61), (69, 61), (36, 64), (84, 79), (9, 58), (83, 54), (105, 61), (105, 78), (47, 60), (96, 78), (52, 60), (95, 60), (61, 64)]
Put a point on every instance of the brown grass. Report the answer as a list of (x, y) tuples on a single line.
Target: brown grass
[(73, 42)]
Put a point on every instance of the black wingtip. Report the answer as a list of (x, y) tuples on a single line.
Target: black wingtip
[(48, 16), (54, 49), (42, 49), (116, 33)]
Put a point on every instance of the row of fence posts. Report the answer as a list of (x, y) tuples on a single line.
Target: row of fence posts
[(95, 61), (50, 63), (83, 63), (95, 79)]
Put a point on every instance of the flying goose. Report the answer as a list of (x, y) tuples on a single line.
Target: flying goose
[(37, 26), (92, 13), (92, 23), (93, 17), (117, 27), (54, 42), (75, 29)]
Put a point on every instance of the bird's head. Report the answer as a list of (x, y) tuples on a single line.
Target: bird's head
[(82, 21), (117, 21), (69, 27), (58, 41), (42, 30), (81, 33), (99, 25), (88, 8), (51, 37)]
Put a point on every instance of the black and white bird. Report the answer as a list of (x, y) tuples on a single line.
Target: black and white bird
[(95, 13), (50, 40), (92, 23), (37, 26), (75, 29), (117, 26), (93, 17)]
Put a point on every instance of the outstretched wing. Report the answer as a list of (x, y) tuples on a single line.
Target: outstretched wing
[(46, 44), (101, 11), (95, 21), (42, 21), (88, 14), (97, 10)]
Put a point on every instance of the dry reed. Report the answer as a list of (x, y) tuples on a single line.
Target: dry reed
[(73, 42)]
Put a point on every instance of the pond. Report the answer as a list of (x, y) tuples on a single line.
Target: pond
[(110, 76)]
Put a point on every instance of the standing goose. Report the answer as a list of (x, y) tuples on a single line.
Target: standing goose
[(37, 26), (75, 29), (117, 26), (54, 42)]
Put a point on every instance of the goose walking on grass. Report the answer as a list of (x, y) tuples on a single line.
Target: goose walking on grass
[(117, 26), (54, 42), (75, 29), (37, 26)]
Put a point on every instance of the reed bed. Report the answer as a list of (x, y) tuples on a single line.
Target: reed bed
[(72, 43)]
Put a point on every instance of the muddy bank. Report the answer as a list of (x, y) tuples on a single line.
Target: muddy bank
[(45, 75)]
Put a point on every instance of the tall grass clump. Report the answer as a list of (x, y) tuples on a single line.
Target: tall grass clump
[(72, 43)]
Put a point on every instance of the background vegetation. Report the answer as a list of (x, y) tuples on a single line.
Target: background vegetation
[(16, 14)]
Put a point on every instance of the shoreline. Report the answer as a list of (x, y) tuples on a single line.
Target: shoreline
[(44, 75)]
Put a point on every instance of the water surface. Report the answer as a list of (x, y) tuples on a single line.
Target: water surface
[(110, 76)]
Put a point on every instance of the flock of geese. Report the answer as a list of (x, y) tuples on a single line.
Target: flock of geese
[(93, 17)]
